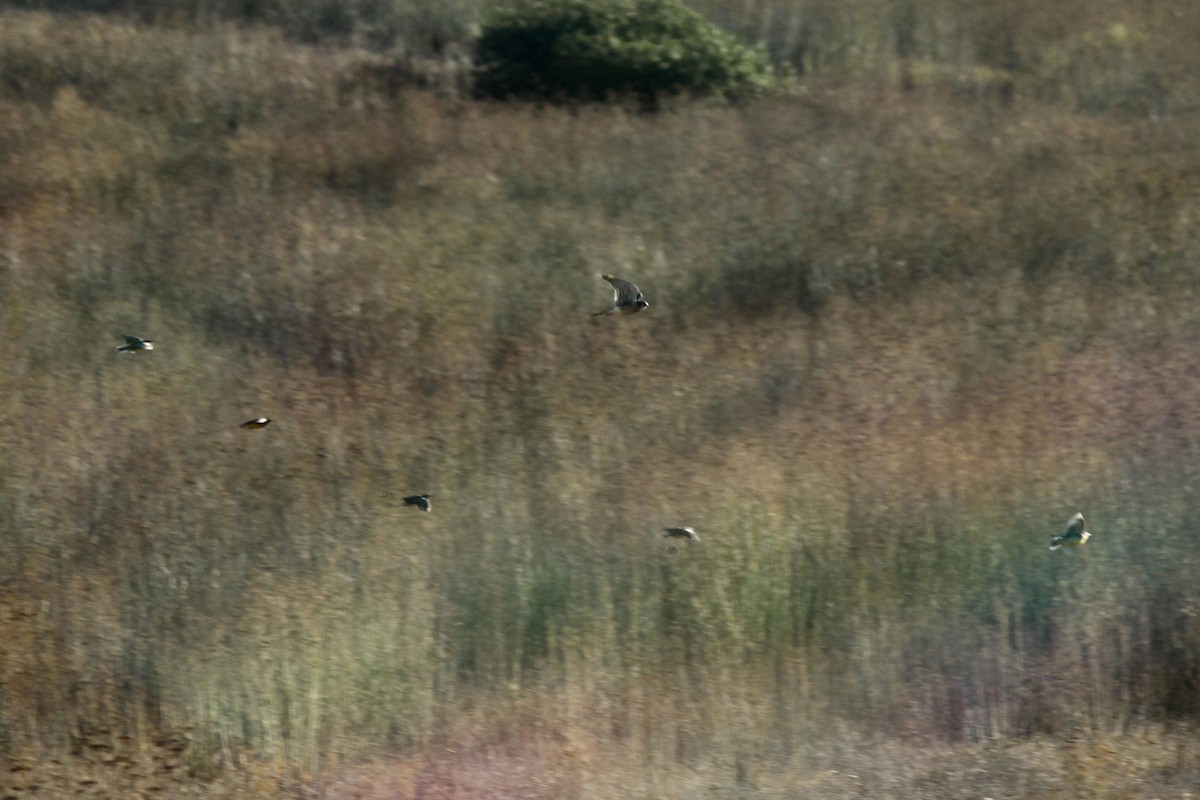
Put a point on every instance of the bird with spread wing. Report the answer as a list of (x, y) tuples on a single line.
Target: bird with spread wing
[(1073, 536), (135, 343), (627, 298)]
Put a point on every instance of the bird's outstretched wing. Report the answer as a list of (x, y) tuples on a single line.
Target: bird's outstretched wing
[(133, 343), (624, 292), (1074, 534), (421, 501), (686, 532)]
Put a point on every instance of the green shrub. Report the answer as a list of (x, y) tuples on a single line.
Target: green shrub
[(598, 49)]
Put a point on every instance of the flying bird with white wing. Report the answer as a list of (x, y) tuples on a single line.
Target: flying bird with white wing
[(1073, 536), (134, 344), (627, 298), (685, 532)]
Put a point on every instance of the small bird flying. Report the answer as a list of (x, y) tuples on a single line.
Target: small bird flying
[(686, 532), (420, 501), (135, 343), (627, 298), (256, 423), (1073, 536)]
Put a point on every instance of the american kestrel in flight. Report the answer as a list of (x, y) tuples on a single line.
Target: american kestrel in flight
[(421, 501), (627, 298), (686, 532), (1074, 535), (134, 343), (256, 423)]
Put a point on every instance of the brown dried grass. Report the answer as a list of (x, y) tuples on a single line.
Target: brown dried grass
[(895, 339)]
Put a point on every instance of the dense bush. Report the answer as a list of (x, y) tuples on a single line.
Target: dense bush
[(597, 49)]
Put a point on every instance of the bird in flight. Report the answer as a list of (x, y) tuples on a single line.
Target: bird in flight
[(627, 298), (256, 423), (420, 501), (686, 532), (135, 343), (1073, 536)]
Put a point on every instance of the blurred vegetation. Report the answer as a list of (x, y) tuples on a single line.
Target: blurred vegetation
[(902, 326)]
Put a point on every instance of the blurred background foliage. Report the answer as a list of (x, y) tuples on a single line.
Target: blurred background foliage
[(903, 324)]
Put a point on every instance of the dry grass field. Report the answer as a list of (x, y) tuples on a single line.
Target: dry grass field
[(903, 324)]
